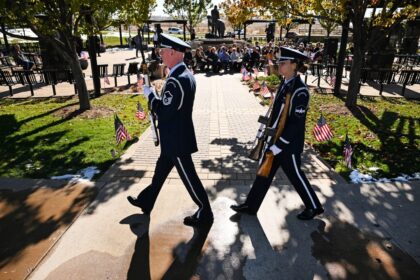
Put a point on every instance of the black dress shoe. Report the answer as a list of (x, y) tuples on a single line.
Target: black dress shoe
[(309, 214), (243, 208), (135, 202), (193, 221)]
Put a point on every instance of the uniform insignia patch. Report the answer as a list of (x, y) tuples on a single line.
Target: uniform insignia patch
[(167, 98), (300, 111)]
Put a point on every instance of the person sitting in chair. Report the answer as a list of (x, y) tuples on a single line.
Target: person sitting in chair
[(21, 58)]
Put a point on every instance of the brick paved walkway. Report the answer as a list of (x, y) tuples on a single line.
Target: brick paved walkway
[(225, 117)]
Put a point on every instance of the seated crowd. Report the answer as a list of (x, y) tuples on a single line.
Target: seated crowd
[(233, 58)]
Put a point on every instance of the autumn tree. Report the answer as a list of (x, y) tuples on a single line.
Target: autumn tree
[(239, 11)]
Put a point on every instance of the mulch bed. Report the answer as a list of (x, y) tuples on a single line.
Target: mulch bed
[(32, 220)]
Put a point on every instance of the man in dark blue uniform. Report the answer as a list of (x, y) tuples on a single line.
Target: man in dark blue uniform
[(177, 137), (288, 148)]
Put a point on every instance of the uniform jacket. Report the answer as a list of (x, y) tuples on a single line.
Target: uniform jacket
[(293, 136), (174, 113)]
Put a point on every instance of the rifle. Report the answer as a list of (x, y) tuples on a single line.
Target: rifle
[(258, 144), (152, 115), (265, 168)]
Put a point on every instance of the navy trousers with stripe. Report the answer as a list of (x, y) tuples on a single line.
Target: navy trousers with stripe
[(189, 177), (290, 164)]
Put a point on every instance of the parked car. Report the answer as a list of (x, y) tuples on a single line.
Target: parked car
[(175, 30)]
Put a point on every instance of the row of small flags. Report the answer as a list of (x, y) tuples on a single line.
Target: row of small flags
[(121, 132), (263, 89), (322, 132)]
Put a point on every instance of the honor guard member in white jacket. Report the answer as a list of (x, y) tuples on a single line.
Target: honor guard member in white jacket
[(288, 148), (177, 137)]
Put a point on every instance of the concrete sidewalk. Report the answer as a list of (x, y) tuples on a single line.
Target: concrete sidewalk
[(369, 231)]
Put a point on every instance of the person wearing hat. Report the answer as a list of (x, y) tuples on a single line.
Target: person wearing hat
[(288, 147), (177, 137)]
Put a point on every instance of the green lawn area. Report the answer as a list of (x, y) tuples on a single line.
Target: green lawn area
[(36, 142), (384, 133)]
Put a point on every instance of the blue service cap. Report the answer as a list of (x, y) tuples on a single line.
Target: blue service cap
[(291, 54), (168, 41)]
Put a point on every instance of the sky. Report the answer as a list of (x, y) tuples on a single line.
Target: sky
[(159, 9)]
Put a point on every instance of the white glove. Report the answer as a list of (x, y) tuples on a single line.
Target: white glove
[(276, 150), (148, 90)]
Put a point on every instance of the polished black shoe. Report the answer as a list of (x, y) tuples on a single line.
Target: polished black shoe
[(193, 221), (243, 208), (135, 202), (309, 214)]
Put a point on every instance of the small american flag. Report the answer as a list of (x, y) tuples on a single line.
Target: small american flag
[(106, 80), (348, 152), (243, 70), (121, 132), (264, 91), (140, 82), (140, 114), (256, 86), (322, 131), (246, 76), (256, 72)]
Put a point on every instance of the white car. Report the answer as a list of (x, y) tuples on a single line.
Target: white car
[(175, 30)]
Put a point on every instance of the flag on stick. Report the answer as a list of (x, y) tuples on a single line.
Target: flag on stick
[(140, 114), (106, 80), (246, 76), (322, 131), (264, 91), (256, 72), (256, 86), (121, 132)]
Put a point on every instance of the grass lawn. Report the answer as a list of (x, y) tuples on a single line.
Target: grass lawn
[(38, 142), (384, 133)]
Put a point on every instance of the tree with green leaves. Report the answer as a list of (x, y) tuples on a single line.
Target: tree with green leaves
[(392, 13), (59, 23), (194, 11)]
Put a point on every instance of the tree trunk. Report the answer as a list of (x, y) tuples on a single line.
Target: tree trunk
[(356, 68), (341, 57), (80, 84), (69, 56)]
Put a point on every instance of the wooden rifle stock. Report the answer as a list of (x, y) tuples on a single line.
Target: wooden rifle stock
[(255, 153), (265, 168)]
